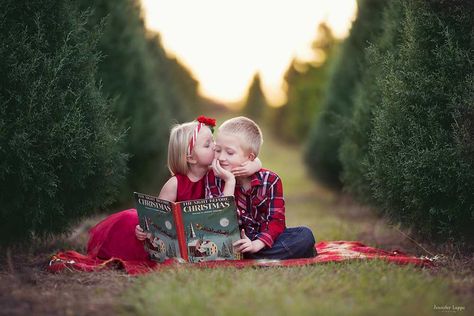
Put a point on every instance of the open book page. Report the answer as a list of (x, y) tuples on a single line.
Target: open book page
[(157, 220), (210, 227)]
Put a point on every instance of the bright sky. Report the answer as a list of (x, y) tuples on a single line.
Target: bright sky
[(225, 42)]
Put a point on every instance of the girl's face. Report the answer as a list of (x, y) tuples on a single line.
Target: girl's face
[(203, 151)]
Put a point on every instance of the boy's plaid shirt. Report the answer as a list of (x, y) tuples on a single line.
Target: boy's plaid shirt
[(261, 209)]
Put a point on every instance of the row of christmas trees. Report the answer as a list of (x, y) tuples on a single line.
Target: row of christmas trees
[(389, 115), (87, 99)]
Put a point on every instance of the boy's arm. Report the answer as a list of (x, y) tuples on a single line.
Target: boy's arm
[(248, 168), (275, 205)]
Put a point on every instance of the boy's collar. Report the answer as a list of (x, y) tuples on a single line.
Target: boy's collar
[(255, 180)]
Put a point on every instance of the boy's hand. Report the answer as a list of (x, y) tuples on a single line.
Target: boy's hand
[(139, 233), (247, 168), (247, 245)]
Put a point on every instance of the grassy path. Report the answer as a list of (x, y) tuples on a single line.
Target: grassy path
[(357, 288)]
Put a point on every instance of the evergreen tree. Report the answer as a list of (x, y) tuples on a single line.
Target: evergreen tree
[(230, 248), (179, 90), (225, 253), (128, 74), (368, 97), (421, 144), (255, 103), (322, 148), (59, 148), (306, 85)]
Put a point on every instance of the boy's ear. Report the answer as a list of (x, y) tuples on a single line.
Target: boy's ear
[(252, 156)]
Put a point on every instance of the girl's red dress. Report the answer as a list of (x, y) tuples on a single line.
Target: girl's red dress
[(114, 237)]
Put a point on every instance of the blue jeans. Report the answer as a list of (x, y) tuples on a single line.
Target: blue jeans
[(294, 242)]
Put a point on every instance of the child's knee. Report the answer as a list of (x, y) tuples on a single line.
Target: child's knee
[(307, 236)]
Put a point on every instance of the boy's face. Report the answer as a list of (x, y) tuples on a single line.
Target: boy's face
[(229, 151), (203, 151)]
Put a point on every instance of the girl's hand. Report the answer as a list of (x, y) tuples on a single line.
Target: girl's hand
[(139, 233), (247, 168), (225, 175), (221, 172)]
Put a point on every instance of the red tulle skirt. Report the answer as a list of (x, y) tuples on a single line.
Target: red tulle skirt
[(114, 237)]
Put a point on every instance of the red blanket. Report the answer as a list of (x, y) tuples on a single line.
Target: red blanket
[(328, 251)]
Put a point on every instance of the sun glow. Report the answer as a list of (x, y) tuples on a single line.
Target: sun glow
[(224, 42)]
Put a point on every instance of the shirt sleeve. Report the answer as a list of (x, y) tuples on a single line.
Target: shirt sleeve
[(275, 219), (213, 185)]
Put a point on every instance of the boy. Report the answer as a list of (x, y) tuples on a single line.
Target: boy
[(259, 197)]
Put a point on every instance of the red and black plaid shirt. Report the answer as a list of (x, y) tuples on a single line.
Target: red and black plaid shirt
[(261, 209)]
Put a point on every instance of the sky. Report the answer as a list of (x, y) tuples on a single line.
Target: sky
[(225, 42)]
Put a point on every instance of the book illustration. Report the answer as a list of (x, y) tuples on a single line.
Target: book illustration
[(197, 231), (211, 227), (157, 245), (198, 248), (156, 220)]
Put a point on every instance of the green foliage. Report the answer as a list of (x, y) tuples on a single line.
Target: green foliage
[(176, 84), (420, 149), (325, 137), (353, 152), (255, 103), (306, 85), (135, 71), (59, 148)]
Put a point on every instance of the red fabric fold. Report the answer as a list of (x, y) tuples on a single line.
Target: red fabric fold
[(115, 237), (328, 251)]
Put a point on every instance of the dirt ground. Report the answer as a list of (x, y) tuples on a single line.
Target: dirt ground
[(37, 292), (26, 288)]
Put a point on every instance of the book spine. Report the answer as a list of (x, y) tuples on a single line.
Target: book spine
[(178, 219)]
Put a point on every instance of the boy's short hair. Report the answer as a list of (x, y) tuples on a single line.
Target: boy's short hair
[(249, 132), (177, 147)]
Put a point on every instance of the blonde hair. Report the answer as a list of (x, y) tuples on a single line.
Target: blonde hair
[(249, 132), (178, 146)]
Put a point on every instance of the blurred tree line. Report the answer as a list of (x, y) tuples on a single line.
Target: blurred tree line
[(87, 99), (305, 85), (396, 127)]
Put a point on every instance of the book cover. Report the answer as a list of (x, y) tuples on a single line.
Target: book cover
[(197, 230)]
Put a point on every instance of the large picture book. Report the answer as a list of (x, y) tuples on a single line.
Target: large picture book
[(196, 231)]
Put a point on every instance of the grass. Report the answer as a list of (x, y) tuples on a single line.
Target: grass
[(358, 288), (355, 288)]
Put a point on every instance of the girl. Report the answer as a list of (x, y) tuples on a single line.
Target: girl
[(190, 153)]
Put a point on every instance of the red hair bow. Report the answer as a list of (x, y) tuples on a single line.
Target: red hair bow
[(203, 120), (206, 120)]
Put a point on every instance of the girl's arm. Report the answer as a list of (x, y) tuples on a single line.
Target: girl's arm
[(168, 192), (225, 175), (248, 168)]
